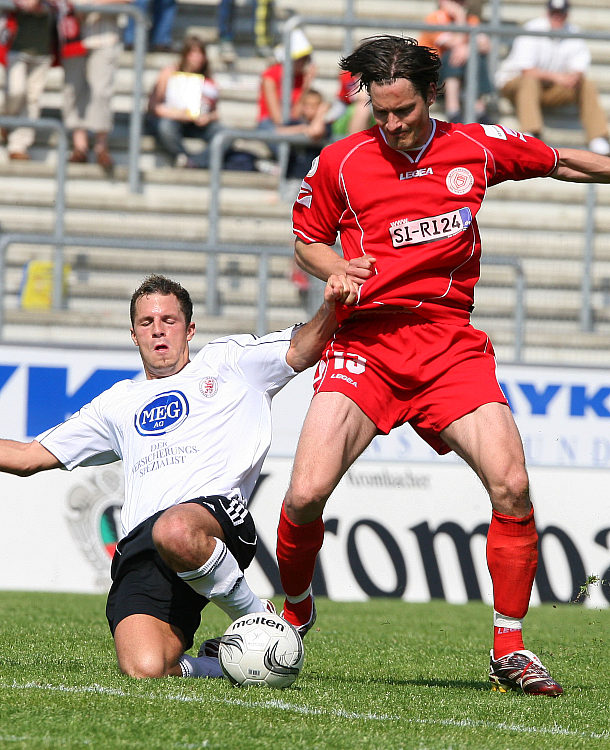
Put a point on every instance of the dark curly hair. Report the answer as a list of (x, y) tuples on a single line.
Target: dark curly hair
[(383, 59), (158, 284)]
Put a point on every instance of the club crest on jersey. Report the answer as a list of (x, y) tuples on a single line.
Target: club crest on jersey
[(208, 386), (459, 180), (166, 412)]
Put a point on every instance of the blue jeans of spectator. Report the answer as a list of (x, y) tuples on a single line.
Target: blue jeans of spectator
[(448, 70), (163, 15), (225, 19), (261, 21), (170, 135)]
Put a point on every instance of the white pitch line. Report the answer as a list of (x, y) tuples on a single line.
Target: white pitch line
[(181, 698), (306, 710)]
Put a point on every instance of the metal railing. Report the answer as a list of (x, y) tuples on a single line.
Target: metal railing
[(496, 30), (135, 116), (213, 245), (264, 254)]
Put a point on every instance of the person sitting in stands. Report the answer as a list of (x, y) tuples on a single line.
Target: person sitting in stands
[(543, 72), (183, 105), (453, 48)]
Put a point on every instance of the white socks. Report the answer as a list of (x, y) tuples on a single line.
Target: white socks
[(510, 623), (221, 581), (201, 666), (300, 597)]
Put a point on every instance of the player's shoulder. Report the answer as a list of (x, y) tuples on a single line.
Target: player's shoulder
[(247, 340), (482, 132), (223, 348), (339, 149)]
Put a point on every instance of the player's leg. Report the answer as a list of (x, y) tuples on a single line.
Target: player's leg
[(334, 434), (152, 614), (148, 647), (208, 543), (489, 441)]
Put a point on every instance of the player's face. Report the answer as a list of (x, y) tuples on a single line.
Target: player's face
[(161, 334), (402, 113)]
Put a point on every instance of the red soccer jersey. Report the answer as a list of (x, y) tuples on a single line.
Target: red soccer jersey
[(414, 211)]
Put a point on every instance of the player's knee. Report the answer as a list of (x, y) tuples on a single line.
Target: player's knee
[(171, 532), (511, 495), (143, 666), (302, 500)]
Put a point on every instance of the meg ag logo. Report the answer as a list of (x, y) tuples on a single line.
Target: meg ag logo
[(164, 413)]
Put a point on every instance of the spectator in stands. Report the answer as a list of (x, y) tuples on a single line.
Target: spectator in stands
[(453, 48), (270, 116), (183, 105), (350, 112), (544, 73), (162, 14), (27, 53), (90, 49), (262, 11), (312, 124)]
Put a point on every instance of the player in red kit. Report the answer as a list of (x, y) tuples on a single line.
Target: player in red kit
[(403, 197)]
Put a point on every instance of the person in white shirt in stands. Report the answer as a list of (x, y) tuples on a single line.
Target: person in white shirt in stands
[(183, 105), (544, 73), (192, 436)]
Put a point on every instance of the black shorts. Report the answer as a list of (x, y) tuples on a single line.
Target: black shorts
[(142, 583)]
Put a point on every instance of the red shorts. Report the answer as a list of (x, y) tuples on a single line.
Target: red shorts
[(401, 368)]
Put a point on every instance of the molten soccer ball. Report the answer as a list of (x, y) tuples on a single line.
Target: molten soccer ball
[(261, 649)]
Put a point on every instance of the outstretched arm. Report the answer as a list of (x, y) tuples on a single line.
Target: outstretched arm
[(25, 459), (577, 165), (309, 341), (321, 260)]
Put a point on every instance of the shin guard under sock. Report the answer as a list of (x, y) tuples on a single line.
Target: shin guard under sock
[(512, 558), (297, 549), (221, 581)]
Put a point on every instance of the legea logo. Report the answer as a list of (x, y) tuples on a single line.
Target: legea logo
[(164, 413)]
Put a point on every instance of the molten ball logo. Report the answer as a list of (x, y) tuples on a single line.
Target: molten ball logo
[(166, 412)]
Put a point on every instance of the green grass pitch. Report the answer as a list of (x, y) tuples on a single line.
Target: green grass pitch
[(378, 675)]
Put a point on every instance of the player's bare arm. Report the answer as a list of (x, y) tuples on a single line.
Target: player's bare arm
[(25, 459), (321, 260), (309, 340), (577, 165)]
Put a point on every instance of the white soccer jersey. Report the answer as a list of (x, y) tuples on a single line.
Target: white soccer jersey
[(204, 431)]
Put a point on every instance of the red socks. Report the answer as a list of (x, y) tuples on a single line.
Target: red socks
[(507, 640), (512, 558), (297, 549)]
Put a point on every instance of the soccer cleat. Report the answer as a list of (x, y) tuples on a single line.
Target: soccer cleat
[(269, 605), (522, 670), (211, 646), (304, 628)]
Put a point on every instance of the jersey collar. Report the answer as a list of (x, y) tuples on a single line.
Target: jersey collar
[(414, 154)]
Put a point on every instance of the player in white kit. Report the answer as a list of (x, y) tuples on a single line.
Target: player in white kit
[(192, 437)]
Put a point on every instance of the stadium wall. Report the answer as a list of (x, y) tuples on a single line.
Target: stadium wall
[(403, 522)]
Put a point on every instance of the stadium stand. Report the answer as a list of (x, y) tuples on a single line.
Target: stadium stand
[(541, 223)]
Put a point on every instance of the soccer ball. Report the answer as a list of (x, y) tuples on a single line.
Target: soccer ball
[(261, 649)]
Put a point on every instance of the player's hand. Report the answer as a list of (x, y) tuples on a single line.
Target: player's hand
[(360, 269), (340, 289)]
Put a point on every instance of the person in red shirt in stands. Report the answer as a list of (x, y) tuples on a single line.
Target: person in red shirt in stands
[(403, 196), (270, 98)]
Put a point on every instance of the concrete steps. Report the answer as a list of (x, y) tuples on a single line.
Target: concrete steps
[(541, 222)]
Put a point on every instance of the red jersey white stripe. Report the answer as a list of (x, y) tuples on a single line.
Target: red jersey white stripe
[(415, 212)]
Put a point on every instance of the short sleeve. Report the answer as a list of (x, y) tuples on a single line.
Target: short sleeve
[(318, 207), (516, 156), (83, 440)]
